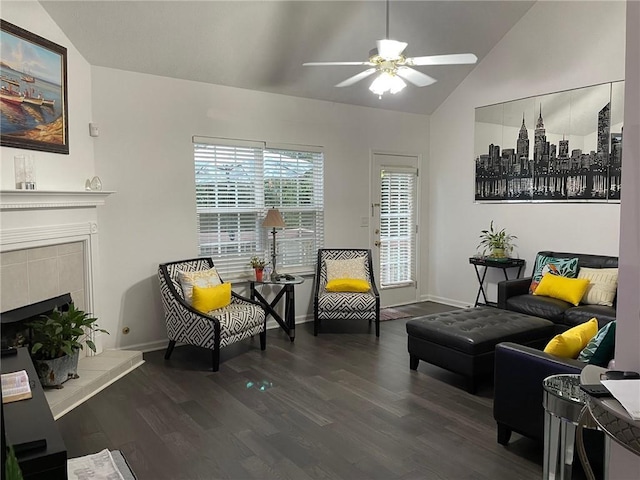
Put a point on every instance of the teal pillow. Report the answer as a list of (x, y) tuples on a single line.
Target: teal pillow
[(588, 351), (604, 353), (566, 267)]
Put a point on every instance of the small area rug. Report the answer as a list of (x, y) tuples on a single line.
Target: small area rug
[(104, 465), (392, 314)]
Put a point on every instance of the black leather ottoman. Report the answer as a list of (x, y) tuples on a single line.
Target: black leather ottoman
[(463, 341)]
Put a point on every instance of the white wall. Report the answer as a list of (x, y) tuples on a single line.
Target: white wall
[(55, 171), (555, 46), (145, 153)]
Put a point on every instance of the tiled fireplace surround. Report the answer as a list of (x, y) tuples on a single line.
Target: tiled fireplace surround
[(48, 247)]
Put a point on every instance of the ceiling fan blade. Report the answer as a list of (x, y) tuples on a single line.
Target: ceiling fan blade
[(390, 49), (455, 59), (322, 64), (357, 78), (419, 79)]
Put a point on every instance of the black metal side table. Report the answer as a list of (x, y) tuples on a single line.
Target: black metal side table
[(488, 263), (288, 323)]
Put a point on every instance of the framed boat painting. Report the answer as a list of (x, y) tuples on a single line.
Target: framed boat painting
[(33, 94)]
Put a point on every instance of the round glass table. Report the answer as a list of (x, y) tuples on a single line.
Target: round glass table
[(563, 402)]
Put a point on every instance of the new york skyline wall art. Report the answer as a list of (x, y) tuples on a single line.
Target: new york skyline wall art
[(563, 147)]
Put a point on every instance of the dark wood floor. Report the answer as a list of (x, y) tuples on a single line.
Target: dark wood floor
[(343, 405)]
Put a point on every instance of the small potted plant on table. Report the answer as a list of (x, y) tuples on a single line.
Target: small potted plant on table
[(258, 264), (498, 242), (56, 341)]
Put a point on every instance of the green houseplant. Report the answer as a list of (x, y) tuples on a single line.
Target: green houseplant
[(56, 341), (498, 243), (258, 264)]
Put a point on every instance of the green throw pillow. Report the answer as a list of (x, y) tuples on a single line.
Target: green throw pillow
[(588, 351), (604, 353), (566, 267)]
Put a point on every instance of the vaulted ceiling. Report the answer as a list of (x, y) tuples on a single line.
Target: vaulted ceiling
[(261, 45)]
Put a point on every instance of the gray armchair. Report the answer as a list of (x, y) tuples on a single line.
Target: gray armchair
[(242, 319), (344, 305)]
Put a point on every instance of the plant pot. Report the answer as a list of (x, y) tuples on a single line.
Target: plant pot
[(53, 373), (259, 272), (498, 253)]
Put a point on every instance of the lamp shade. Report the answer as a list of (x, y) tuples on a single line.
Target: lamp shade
[(273, 219)]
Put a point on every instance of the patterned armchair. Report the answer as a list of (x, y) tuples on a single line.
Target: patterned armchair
[(243, 318), (344, 305)]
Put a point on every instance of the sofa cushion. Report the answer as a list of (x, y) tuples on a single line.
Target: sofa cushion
[(567, 267), (568, 289), (603, 283), (539, 306), (605, 351), (588, 351), (577, 315), (570, 343)]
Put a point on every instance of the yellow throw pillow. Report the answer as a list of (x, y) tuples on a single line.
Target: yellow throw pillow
[(201, 278), (206, 299), (348, 285), (569, 344), (568, 289)]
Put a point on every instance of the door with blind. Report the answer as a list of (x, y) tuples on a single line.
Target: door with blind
[(394, 229)]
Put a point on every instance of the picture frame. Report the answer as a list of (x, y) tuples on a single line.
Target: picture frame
[(558, 147), (33, 92)]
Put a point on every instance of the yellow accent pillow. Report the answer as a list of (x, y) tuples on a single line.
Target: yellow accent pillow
[(348, 285), (568, 289), (206, 299), (569, 344)]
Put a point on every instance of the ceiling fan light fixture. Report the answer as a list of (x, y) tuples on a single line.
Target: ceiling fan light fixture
[(387, 82)]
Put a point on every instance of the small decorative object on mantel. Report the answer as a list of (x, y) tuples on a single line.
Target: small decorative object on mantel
[(25, 172), (56, 343), (498, 243), (258, 264)]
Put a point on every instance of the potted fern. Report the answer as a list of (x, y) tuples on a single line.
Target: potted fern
[(498, 243), (56, 341)]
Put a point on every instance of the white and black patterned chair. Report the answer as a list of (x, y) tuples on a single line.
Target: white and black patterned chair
[(242, 319), (344, 305)]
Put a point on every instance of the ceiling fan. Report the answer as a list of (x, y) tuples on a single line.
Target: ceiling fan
[(387, 60)]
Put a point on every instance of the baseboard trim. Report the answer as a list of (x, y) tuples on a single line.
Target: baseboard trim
[(445, 301)]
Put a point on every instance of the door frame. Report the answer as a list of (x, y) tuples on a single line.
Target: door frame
[(418, 212)]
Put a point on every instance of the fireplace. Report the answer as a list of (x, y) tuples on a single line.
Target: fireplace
[(15, 332)]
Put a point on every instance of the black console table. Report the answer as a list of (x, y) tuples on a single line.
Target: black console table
[(488, 263), (30, 428), (288, 324)]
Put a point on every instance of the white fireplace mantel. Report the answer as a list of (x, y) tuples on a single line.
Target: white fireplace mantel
[(43, 199)]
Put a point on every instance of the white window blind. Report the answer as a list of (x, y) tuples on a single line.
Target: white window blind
[(236, 184), (397, 227)]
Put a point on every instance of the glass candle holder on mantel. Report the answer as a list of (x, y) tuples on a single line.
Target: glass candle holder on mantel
[(25, 172)]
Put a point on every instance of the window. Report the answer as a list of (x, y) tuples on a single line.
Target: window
[(397, 226), (237, 181)]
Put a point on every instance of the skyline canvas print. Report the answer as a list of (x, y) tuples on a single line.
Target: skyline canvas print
[(564, 146)]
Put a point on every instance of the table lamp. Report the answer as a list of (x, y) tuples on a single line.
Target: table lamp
[(273, 220)]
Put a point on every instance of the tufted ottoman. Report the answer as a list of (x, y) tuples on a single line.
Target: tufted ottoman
[(463, 341)]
